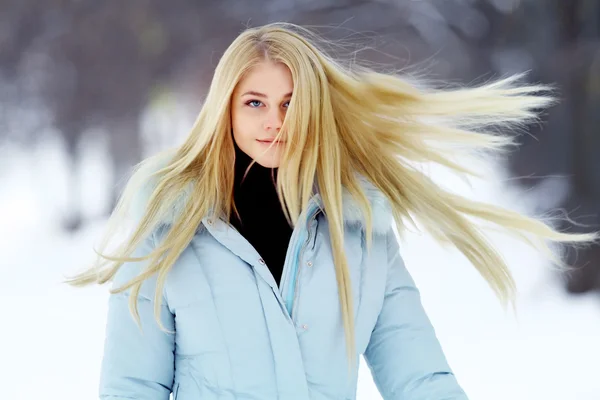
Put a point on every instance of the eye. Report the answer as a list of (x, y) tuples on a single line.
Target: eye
[(254, 103), (286, 104)]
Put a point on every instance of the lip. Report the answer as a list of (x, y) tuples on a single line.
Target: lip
[(270, 141)]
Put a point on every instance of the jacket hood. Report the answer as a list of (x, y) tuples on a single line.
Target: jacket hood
[(352, 214)]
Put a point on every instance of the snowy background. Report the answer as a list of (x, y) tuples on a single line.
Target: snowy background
[(52, 335), (88, 80)]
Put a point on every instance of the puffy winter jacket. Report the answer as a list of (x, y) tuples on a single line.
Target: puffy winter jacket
[(238, 335)]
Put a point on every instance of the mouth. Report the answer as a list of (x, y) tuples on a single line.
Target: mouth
[(275, 142)]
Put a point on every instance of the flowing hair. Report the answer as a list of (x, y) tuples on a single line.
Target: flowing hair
[(343, 121)]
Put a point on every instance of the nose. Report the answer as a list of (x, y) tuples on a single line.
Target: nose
[(273, 120)]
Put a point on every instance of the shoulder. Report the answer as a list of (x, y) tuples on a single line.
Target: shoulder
[(132, 269), (146, 181), (381, 210)]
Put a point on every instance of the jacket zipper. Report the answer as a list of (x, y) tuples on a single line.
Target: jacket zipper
[(294, 284), (298, 265)]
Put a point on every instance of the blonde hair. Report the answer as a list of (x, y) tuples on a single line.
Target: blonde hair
[(342, 121)]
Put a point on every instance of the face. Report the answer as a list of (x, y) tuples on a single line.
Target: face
[(258, 108)]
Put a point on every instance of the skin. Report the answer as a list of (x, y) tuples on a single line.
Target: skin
[(258, 107)]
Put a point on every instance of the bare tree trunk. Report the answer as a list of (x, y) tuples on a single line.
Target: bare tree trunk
[(125, 151), (73, 219)]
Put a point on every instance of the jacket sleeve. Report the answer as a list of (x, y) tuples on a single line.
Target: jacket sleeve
[(404, 355), (137, 364)]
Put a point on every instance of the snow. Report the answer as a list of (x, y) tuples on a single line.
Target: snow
[(52, 335)]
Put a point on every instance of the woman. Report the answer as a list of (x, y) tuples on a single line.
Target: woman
[(263, 260)]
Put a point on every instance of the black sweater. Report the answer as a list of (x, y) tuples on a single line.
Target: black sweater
[(263, 222)]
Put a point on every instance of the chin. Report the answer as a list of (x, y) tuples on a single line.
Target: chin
[(268, 162), (270, 159)]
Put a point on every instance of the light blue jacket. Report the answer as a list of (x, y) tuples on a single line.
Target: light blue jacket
[(241, 336)]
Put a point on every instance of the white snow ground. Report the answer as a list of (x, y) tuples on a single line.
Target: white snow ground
[(52, 335)]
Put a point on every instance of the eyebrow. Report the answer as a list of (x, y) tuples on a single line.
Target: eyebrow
[(258, 94)]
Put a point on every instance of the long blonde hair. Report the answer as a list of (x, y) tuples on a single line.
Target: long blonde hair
[(343, 121)]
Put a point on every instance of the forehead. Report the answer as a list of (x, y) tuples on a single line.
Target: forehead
[(267, 77)]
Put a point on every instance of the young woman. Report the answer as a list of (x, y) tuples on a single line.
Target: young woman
[(263, 260)]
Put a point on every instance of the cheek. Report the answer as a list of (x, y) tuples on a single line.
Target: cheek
[(242, 124)]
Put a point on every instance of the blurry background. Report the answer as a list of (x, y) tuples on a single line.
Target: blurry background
[(88, 88)]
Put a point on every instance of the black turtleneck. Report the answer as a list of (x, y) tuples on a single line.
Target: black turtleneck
[(263, 222)]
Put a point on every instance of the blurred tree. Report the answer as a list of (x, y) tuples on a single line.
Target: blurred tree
[(87, 64), (560, 42), (95, 64)]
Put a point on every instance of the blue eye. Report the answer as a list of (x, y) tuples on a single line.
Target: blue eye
[(253, 103)]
